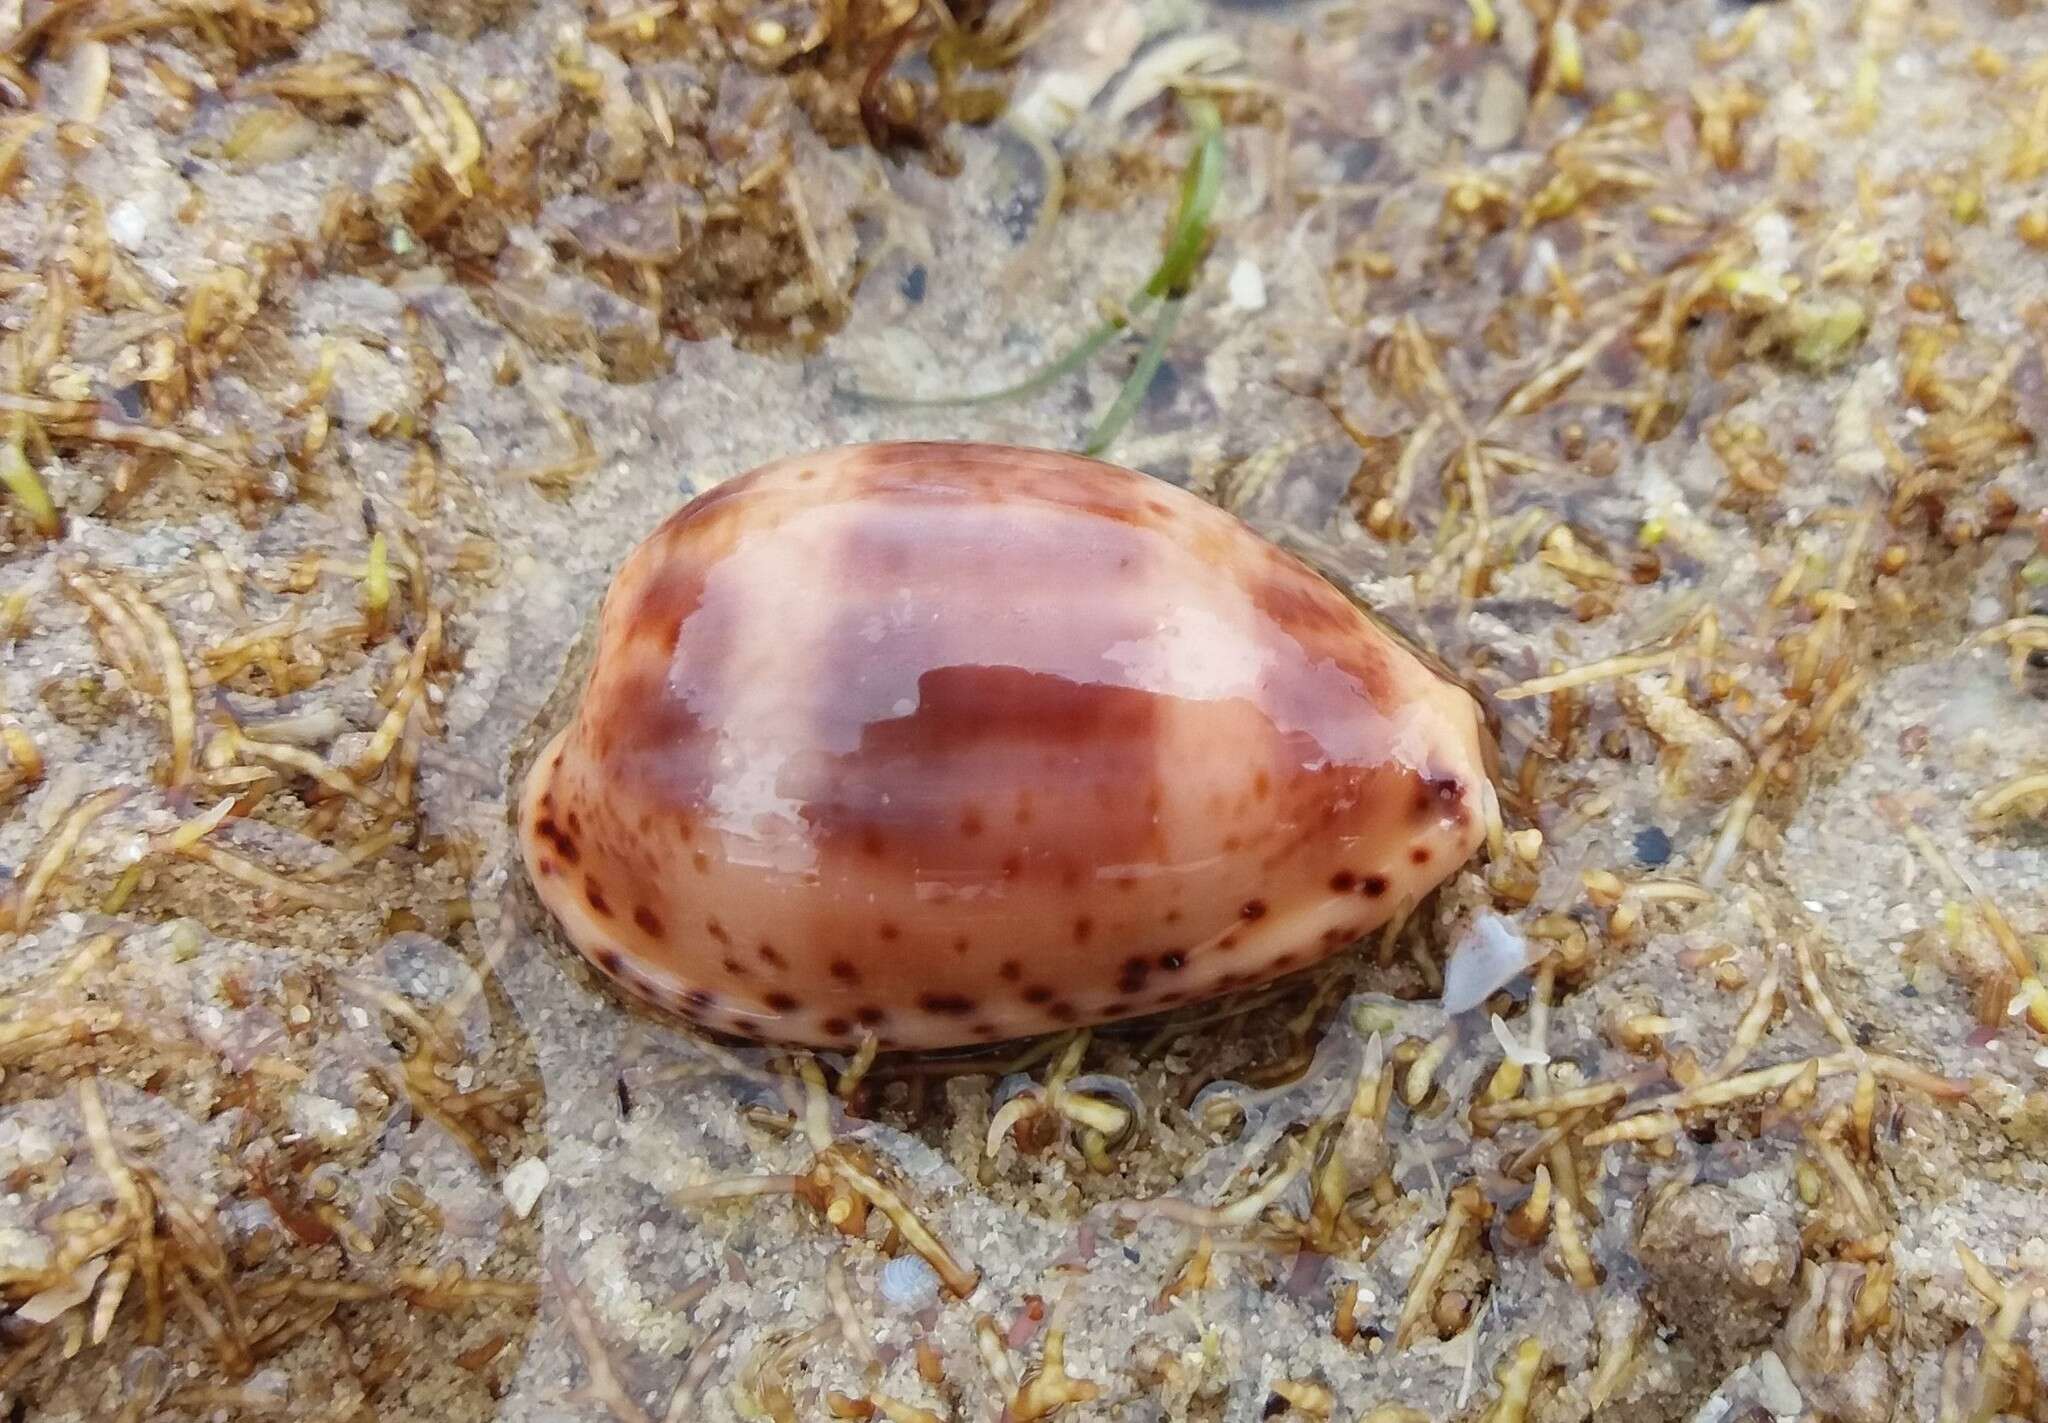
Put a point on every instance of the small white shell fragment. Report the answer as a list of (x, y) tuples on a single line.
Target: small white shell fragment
[(271, 1386), (1168, 63), (128, 224), (21, 1144), (27, 1253), (1774, 1387), (524, 1183), (909, 1284), (1489, 956), (1772, 233), (1247, 286), (54, 1301), (1536, 272), (1518, 1052), (324, 1119), (1500, 108)]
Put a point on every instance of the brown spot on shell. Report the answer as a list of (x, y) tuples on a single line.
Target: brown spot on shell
[(1253, 909), (1038, 993), (563, 845), (952, 1005), (837, 1027), (780, 1002), (1419, 855), (647, 919), (594, 892), (771, 957), (1010, 970), (1343, 881), (868, 1015), (1373, 886), (844, 971)]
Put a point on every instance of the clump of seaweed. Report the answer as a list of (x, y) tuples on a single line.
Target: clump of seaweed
[(675, 198), (282, 702), (841, 1182)]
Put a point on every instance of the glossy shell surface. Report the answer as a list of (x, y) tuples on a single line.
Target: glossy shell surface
[(951, 743)]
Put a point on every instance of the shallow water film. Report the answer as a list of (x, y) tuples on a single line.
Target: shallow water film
[(1673, 373)]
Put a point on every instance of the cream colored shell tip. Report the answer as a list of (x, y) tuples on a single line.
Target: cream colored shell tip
[(949, 743)]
